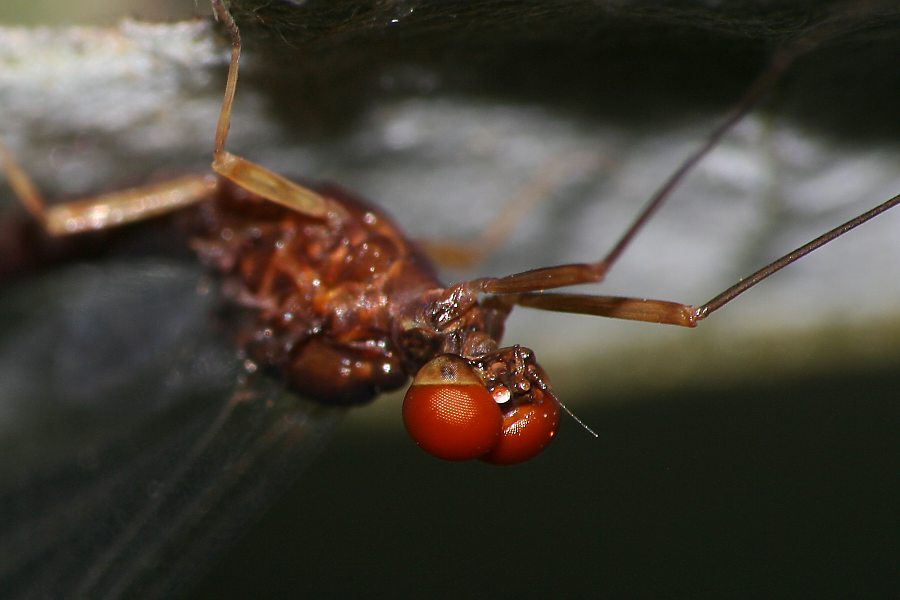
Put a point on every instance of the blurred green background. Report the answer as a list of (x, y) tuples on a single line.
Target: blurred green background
[(54, 12)]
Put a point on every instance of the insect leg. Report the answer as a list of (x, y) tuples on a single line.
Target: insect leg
[(576, 273), (685, 315), (249, 175), (108, 210), (513, 212), (614, 307)]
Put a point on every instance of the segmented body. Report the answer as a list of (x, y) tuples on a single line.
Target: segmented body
[(346, 307)]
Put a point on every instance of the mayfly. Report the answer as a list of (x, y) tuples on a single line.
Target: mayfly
[(346, 307)]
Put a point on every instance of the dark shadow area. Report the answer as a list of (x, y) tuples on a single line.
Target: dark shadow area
[(764, 490), (641, 63)]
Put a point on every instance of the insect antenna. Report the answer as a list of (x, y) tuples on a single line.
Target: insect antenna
[(578, 420)]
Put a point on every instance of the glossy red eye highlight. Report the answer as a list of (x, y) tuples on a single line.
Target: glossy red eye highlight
[(449, 413), (527, 430)]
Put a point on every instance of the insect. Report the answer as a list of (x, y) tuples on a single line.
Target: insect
[(263, 348), (346, 307)]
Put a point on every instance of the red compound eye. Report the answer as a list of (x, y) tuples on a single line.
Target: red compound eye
[(448, 411), (527, 430)]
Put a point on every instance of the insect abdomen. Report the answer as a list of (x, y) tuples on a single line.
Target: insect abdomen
[(321, 290)]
